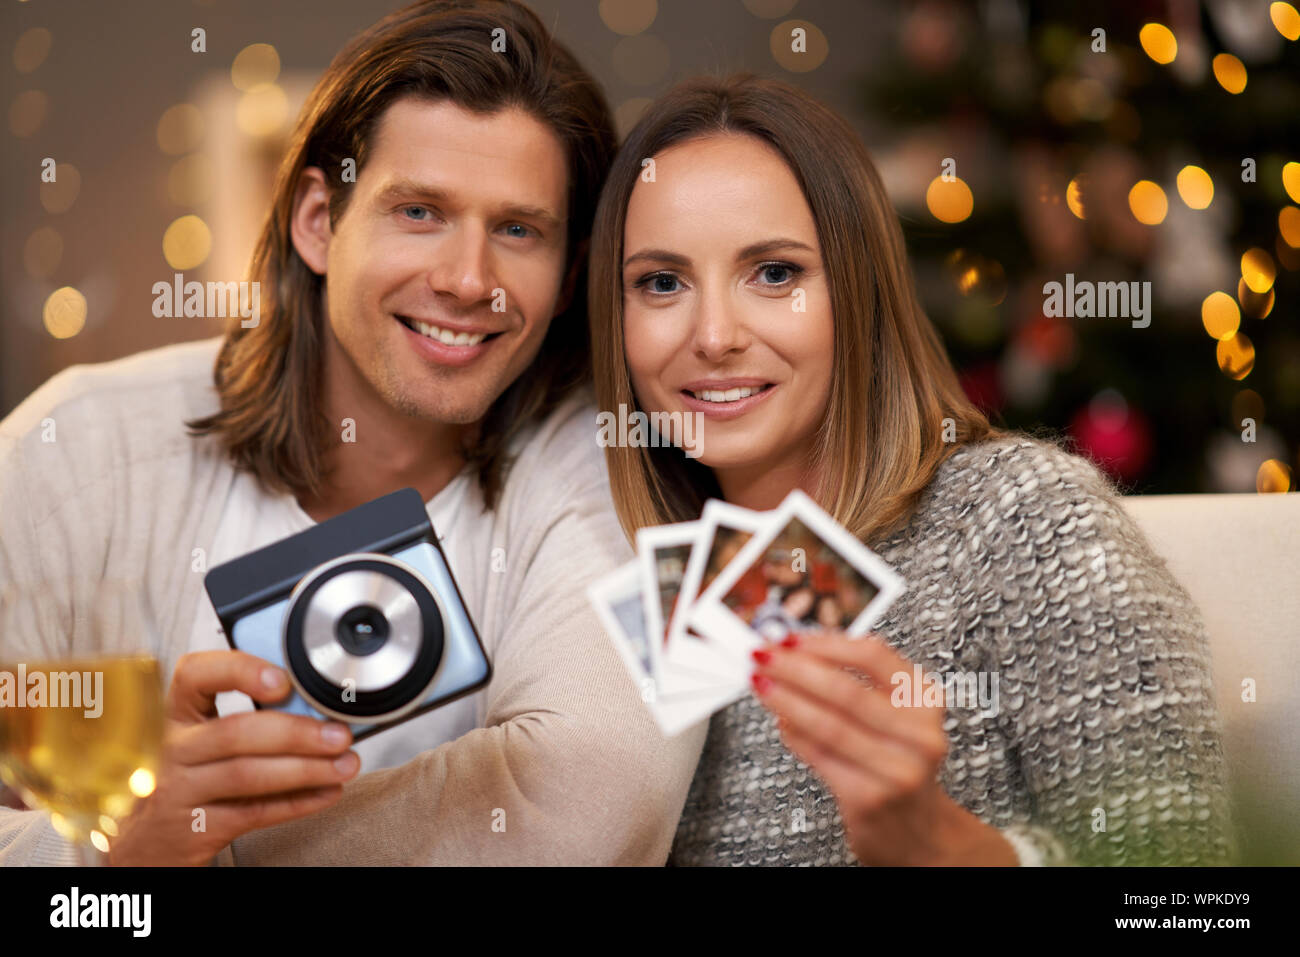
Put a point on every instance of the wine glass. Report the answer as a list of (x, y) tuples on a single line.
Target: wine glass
[(81, 727)]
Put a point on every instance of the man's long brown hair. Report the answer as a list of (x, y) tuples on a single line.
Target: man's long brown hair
[(270, 377), (882, 438)]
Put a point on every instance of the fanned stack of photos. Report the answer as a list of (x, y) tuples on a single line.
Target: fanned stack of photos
[(701, 596)]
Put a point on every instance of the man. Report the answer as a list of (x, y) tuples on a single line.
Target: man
[(426, 330)]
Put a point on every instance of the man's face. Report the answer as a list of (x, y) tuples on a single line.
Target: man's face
[(446, 267)]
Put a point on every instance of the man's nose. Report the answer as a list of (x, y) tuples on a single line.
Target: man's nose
[(463, 269)]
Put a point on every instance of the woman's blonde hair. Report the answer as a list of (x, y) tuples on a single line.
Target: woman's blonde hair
[(883, 436)]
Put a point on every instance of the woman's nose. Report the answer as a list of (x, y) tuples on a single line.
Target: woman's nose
[(719, 328)]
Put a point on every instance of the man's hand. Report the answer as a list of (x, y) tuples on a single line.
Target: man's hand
[(244, 771)]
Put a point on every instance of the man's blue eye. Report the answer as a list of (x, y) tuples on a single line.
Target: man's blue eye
[(415, 209), (522, 233)]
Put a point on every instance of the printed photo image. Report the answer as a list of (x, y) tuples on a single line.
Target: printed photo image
[(798, 583)]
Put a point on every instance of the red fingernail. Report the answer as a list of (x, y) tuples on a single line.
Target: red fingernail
[(762, 656), (761, 684), (790, 641)]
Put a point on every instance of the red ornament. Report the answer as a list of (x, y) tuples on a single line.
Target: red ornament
[(1114, 435)]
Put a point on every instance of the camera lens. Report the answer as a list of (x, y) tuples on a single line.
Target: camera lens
[(363, 630)]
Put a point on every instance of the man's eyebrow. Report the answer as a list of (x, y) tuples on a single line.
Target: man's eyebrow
[(410, 189), (749, 252)]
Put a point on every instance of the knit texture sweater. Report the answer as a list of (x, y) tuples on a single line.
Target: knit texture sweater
[(1104, 747)]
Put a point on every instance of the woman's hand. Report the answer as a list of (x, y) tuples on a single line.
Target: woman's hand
[(881, 762)]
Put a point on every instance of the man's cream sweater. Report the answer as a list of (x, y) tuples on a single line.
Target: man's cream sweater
[(100, 479)]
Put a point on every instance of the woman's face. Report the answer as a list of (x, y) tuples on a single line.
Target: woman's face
[(726, 311)]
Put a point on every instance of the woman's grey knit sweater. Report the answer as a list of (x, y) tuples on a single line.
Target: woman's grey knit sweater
[(1105, 745)]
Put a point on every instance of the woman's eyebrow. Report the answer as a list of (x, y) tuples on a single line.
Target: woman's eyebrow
[(658, 256), (749, 252), (769, 246)]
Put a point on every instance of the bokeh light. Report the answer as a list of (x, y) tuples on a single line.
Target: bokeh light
[(950, 200), (1247, 404), (1286, 19), (64, 314), (180, 129), (1230, 72), (1220, 315), (142, 782), (1148, 203), (255, 65), (1074, 196), (1273, 476), (1257, 305), (1195, 187), (32, 48), (187, 242), (815, 46), (43, 252), (1291, 180), (262, 111), (977, 276), (58, 197), (1235, 355), (27, 113), (1158, 42), (1257, 269), (628, 17), (1288, 224)]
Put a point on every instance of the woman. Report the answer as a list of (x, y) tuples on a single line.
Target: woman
[(749, 267)]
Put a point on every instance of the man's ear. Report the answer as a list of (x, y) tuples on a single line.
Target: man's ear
[(309, 226), (571, 280)]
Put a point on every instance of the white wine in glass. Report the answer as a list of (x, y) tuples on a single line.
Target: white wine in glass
[(82, 736)]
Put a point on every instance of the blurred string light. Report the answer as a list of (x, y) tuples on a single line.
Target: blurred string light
[(1220, 315), (1074, 196), (32, 48), (816, 46), (1158, 42), (1230, 72), (187, 243), (1273, 476), (1257, 305), (1247, 404), (58, 196), (1235, 355), (27, 113), (949, 200), (264, 107), (1195, 187), (1148, 203), (1286, 19), (43, 252), (977, 275), (1291, 180), (180, 129), (1257, 270), (64, 314), (628, 17), (1288, 224)]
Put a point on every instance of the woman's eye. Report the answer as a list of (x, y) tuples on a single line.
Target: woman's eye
[(777, 274), (661, 283)]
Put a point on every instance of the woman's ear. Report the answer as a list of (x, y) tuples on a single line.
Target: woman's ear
[(571, 280), (309, 226)]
